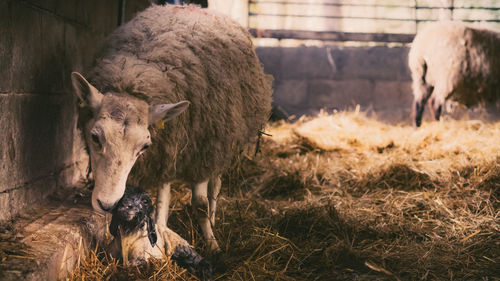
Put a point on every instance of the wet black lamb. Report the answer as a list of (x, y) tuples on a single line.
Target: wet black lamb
[(137, 238)]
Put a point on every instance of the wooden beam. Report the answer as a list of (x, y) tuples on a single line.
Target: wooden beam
[(331, 35)]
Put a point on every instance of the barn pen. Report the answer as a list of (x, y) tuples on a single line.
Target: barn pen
[(344, 187)]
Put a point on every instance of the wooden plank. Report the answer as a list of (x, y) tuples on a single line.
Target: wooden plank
[(281, 9), (489, 25), (331, 36), (332, 24), (476, 15), (434, 3), (433, 14), (479, 4), (407, 3), (485, 4), (458, 4)]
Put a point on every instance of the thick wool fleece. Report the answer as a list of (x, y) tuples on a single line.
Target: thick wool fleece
[(169, 53)]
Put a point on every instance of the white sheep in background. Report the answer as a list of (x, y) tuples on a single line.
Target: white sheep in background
[(197, 71), (449, 60)]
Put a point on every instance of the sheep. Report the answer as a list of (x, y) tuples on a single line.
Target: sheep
[(136, 240), (175, 94), (452, 61)]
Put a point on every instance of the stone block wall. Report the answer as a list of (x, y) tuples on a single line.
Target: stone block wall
[(41, 43), (308, 79)]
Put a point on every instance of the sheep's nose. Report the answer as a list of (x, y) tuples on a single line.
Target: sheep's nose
[(104, 207)]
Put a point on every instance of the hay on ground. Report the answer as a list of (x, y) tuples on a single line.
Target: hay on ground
[(345, 197)]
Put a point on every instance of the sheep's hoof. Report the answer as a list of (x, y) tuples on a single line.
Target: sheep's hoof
[(213, 246), (188, 258)]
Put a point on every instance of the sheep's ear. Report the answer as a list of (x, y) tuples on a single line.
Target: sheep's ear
[(166, 111), (153, 237), (87, 93)]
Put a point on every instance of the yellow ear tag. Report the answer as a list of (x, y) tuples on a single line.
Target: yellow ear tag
[(160, 125)]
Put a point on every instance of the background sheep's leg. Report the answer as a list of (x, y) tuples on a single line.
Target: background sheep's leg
[(214, 186), (199, 201), (436, 102), (162, 204), (421, 92)]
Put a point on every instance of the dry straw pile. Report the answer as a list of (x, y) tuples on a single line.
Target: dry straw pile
[(345, 197)]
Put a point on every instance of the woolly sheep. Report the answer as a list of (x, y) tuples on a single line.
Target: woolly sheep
[(197, 71), (449, 60), (136, 239)]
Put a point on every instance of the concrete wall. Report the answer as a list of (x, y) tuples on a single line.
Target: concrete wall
[(41, 42), (308, 79)]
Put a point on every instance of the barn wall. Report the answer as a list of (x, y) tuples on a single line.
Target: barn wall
[(308, 79), (41, 42)]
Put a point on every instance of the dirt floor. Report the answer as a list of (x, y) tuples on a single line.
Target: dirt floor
[(345, 197)]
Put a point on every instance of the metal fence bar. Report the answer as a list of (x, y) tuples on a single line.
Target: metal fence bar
[(358, 18), (455, 8), (327, 17), (371, 5), (331, 35), (332, 4)]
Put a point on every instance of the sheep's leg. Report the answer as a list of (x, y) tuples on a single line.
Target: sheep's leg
[(436, 102), (213, 194), (162, 204), (422, 91), (199, 201)]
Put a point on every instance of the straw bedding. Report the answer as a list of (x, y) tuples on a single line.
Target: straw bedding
[(345, 197)]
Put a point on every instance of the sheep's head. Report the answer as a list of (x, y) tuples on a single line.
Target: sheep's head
[(132, 212), (117, 134)]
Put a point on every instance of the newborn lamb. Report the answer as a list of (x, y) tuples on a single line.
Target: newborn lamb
[(137, 239)]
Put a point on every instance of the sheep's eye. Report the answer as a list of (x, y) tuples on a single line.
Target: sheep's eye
[(95, 138)]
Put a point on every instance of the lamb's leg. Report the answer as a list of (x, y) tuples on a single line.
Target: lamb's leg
[(199, 201), (162, 204), (213, 194)]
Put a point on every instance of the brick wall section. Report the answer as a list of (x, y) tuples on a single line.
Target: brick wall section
[(376, 78), (41, 42)]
